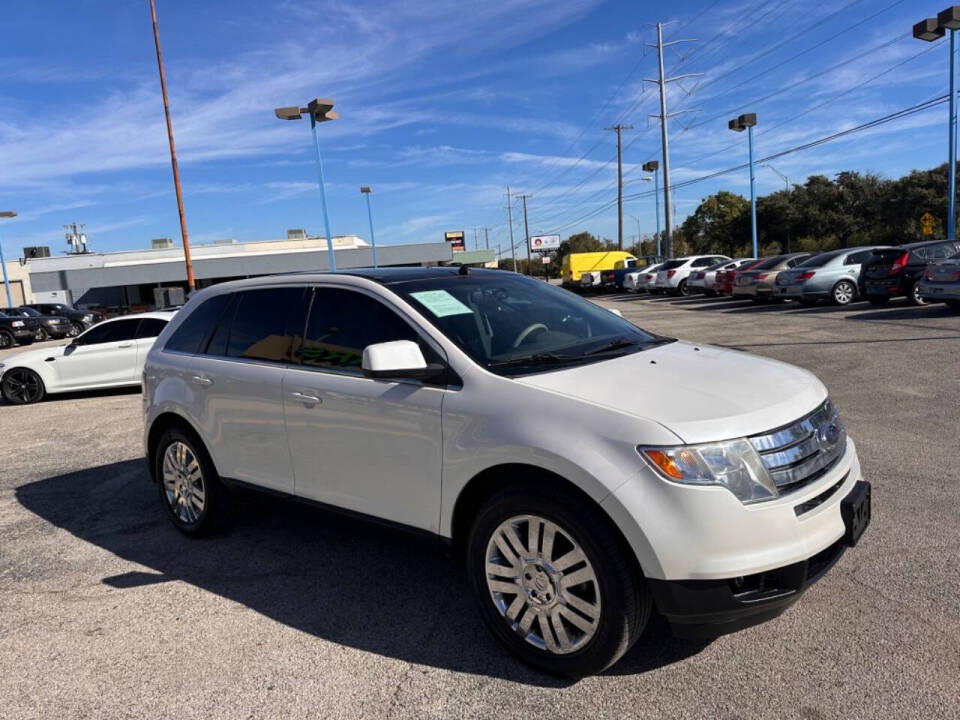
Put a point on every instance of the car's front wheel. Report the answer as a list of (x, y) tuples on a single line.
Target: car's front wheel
[(6, 339), (22, 386), (554, 581), (844, 293), (189, 486), (76, 328)]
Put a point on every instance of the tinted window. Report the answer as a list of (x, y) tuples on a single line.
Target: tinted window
[(858, 257), (793, 262), (817, 260), (264, 322), (195, 329), (703, 262), (110, 332), (671, 264), (151, 327), (343, 322)]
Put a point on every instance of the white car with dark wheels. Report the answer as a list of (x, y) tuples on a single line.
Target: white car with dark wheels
[(108, 355), (489, 409), (672, 276)]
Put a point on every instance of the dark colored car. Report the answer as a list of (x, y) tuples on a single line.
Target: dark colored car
[(897, 271), (17, 330), (81, 320), (51, 326)]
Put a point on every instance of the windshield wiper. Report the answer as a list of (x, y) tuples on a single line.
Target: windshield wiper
[(621, 343), (535, 359)]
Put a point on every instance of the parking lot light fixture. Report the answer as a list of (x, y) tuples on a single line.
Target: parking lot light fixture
[(365, 189), (739, 124), (318, 110), (654, 167), (3, 263)]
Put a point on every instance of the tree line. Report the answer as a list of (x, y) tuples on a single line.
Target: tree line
[(821, 214)]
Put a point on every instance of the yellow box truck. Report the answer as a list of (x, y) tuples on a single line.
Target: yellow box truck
[(575, 264)]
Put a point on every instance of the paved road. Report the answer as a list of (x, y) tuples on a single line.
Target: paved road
[(106, 612)]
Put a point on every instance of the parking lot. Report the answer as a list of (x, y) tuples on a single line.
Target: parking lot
[(106, 611)]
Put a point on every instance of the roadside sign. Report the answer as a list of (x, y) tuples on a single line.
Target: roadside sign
[(455, 237), (546, 259), (544, 243), (926, 223)]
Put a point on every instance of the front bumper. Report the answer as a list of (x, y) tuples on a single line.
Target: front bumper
[(710, 608)]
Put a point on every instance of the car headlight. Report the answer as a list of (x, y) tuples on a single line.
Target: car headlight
[(733, 464), (17, 323)]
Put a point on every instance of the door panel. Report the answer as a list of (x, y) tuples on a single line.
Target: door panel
[(106, 355)]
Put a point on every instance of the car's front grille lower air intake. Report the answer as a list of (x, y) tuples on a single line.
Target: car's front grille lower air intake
[(797, 454)]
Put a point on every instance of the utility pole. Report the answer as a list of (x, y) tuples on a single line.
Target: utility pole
[(619, 129), (526, 232), (486, 237), (664, 134), (191, 285), (513, 251)]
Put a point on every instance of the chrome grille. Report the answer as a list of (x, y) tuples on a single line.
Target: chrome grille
[(803, 451)]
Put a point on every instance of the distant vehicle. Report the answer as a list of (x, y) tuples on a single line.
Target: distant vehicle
[(672, 277), (898, 270), (51, 326), (110, 354), (723, 283), (703, 281), (829, 276), (757, 283), (16, 330), (613, 279), (941, 282), (81, 319), (575, 264), (495, 411), (637, 280)]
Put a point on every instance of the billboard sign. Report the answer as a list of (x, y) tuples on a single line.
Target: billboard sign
[(457, 239), (544, 243)]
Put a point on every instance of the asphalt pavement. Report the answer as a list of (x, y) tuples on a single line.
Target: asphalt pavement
[(107, 612)]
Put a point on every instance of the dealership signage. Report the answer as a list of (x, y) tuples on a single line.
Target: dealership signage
[(544, 243), (457, 239)]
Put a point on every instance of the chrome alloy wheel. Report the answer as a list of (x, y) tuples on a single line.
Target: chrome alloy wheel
[(844, 293), (183, 482), (543, 584)]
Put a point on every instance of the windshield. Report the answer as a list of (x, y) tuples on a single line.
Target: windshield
[(671, 264), (511, 324)]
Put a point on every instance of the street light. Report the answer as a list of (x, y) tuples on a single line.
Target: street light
[(3, 263), (739, 124), (932, 29), (654, 167), (319, 110), (365, 189)]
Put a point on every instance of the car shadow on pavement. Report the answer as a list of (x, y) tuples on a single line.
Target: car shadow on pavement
[(80, 395), (355, 583)]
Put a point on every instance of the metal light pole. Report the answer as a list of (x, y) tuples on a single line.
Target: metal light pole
[(3, 263), (739, 124), (319, 110), (932, 29), (654, 167), (365, 189)]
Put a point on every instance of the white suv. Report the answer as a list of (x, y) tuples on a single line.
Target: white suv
[(673, 274), (489, 408)]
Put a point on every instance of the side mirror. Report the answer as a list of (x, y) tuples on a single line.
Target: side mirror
[(397, 359)]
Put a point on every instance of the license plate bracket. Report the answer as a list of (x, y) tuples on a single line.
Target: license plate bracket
[(855, 509)]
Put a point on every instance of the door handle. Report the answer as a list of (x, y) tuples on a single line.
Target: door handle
[(306, 398), (200, 380), (125, 345)]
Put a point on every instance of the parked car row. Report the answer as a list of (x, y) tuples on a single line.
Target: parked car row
[(922, 272), (43, 321)]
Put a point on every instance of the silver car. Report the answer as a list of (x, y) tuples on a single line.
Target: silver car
[(941, 282), (828, 276)]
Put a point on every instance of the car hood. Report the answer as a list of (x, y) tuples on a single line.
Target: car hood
[(31, 357), (699, 392)]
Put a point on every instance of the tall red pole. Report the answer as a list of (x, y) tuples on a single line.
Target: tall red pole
[(173, 152)]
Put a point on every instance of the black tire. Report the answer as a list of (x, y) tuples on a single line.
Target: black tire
[(22, 386), (215, 505), (624, 599), (77, 328), (682, 288), (954, 305), (878, 300), (42, 335), (914, 295), (843, 293), (6, 340)]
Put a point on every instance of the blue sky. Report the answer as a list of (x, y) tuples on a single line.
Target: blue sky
[(442, 105)]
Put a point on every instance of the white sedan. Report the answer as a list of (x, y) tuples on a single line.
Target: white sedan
[(110, 354)]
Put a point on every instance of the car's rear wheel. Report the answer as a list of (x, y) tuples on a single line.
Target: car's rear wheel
[(682, 288), (878, 300), (6, 339), (22, 386), (76, 329), (844, 293), (189, 486), (914, 295), (554, 581), (42, 335)]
